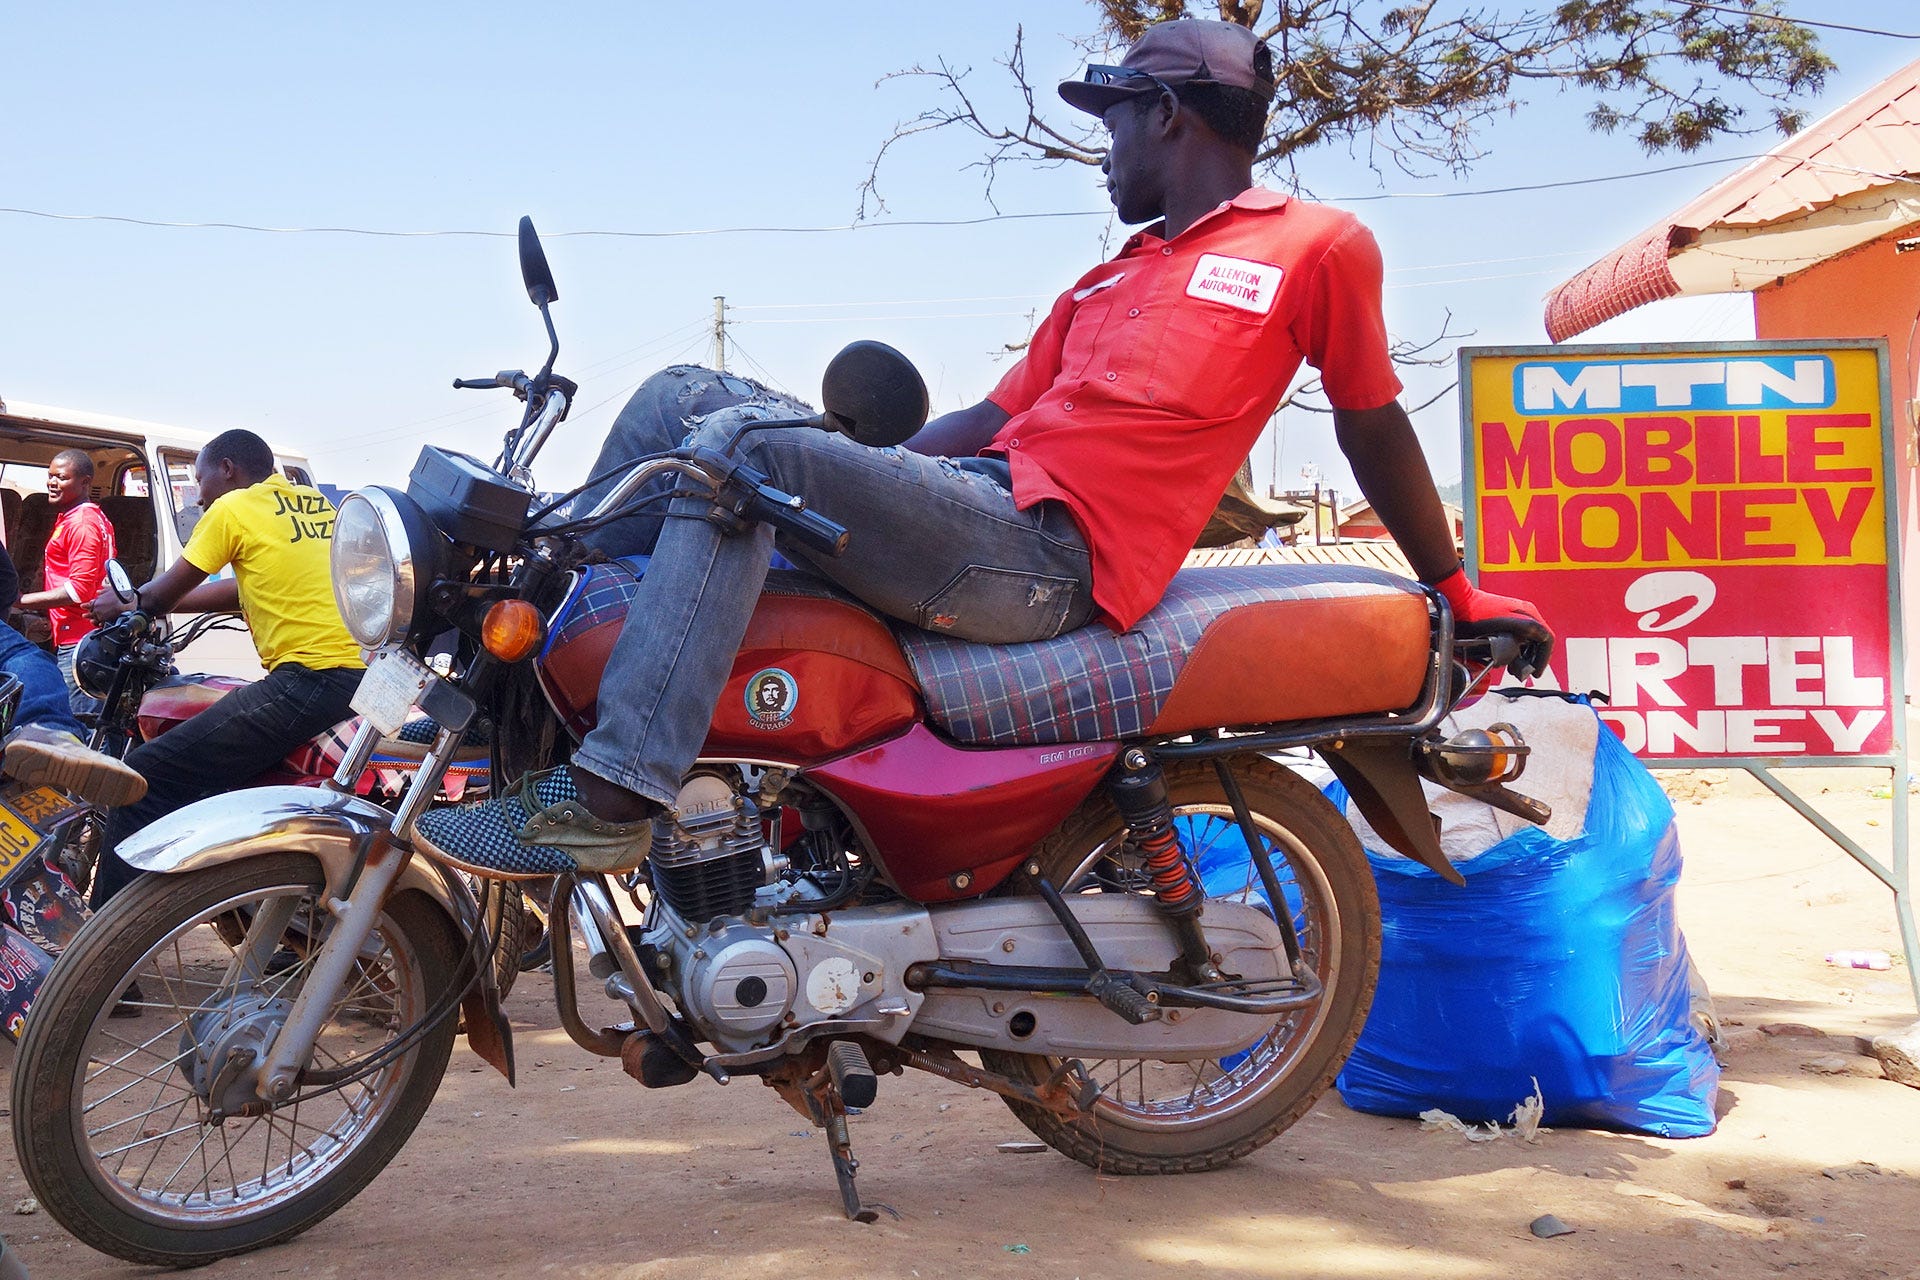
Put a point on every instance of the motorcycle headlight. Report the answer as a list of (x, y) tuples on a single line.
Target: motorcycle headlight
[(383, 559)]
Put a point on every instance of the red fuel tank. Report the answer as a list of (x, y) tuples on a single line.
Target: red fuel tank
[(815, 677)]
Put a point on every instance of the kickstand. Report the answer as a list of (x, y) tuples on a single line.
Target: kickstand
[(830, 1113)]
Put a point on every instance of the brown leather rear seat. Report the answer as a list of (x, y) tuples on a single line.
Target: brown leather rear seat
[(1226, 647)]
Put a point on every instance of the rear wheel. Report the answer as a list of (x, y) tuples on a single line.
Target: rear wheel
[(1158, 1116), (111, 1113)]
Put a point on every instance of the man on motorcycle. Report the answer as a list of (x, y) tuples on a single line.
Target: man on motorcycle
[(1070, 495), (277, 535)]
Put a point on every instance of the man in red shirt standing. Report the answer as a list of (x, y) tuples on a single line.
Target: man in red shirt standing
[(75, 567), (1069, 495)]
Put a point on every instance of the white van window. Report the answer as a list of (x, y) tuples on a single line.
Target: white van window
[(186, 493)]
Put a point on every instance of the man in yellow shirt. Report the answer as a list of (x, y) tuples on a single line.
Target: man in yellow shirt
[(278, 537)]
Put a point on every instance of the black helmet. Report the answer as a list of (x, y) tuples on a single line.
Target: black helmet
[(98, 657)]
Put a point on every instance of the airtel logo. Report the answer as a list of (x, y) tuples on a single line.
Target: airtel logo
[(1652, 593)]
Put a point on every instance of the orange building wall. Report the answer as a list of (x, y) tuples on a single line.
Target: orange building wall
[(1873, 292)]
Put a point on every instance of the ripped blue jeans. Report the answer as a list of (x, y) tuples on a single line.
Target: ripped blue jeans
[(936, 542)]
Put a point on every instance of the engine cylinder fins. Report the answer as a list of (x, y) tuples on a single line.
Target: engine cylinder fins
[(709, 857)]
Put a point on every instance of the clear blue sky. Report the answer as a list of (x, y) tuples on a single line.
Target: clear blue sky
[(650, 118)]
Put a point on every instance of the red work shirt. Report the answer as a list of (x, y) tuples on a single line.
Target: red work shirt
[(1145, 387), (76, 558)]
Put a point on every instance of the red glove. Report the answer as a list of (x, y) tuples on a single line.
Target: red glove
[(1479, 613)]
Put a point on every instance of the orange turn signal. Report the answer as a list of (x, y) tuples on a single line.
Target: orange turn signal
[(511, 630)]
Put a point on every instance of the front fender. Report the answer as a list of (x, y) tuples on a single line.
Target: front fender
[(338, 830), (333, 827)]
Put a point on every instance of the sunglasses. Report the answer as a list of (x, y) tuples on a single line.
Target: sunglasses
[(1125, 78)]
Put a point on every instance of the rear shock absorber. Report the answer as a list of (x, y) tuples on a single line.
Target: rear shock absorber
[(1139, 791)]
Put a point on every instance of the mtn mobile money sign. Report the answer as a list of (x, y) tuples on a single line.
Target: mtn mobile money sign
[(1707, 529)]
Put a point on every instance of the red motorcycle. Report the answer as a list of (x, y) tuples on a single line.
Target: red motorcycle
[(1075, 861)]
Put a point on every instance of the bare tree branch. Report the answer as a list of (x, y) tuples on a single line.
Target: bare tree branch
[(1414, 83)]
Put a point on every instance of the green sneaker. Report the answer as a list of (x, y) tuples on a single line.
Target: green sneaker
[(538, 828)]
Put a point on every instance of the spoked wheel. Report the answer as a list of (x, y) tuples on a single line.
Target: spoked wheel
[(1157, 1116), (118, 1088)]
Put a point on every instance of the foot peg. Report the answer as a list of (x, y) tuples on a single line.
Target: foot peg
[(1123, 998), (850, 1082), (856, 1080)]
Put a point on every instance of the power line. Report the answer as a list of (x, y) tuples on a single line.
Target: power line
[(857, 226), (1805, 22), (949, 315), (468, 413), (890, 302), (766, 374), (547, 235), (1542, 186)]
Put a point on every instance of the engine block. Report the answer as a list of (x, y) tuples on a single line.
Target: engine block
[(746, 984)]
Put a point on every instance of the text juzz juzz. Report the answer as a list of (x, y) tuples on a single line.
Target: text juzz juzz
[(308, 514), (1659, 489)]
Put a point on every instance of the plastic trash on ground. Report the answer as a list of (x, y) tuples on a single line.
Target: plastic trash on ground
[(1559, 961)]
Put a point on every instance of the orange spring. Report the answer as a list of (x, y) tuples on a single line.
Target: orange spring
[(1169, 871)]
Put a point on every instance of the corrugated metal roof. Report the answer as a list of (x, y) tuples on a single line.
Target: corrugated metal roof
[(1872, 142)]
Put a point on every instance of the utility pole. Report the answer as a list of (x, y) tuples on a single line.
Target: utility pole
[(720, 333)]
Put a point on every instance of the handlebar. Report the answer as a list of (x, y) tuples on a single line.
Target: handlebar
[(790, 515), (737, 488), (1492, 650)]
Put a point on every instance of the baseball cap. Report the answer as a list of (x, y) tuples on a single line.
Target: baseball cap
[(1172, 53)]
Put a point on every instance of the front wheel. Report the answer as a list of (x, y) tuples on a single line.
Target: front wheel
[(1157, 1116), (125, 1046)]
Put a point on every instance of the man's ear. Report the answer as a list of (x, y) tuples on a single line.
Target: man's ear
[(1166, 109)]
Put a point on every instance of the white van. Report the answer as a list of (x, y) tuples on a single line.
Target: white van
[(142, 479)]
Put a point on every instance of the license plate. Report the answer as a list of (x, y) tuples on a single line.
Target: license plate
[(42, 807), (17, 840), (394, 681)]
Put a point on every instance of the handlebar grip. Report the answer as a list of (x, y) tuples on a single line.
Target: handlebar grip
[(782, 511), (505, 378)]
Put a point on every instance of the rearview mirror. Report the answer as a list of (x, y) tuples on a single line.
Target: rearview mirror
[(874, 394), (533, 266), (118, 579)]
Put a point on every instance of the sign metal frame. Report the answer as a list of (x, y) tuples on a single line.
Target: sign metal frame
[(1896, 876)]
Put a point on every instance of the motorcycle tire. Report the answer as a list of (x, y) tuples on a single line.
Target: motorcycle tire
[(99, 1163), (509, 920), (1181, 1117)]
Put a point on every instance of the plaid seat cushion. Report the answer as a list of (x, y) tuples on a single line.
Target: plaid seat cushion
[(1092, 685)]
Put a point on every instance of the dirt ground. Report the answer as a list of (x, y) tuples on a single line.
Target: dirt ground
[(582, 1173)]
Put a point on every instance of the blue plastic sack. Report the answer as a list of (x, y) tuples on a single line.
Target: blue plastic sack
[(1560, 961)]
